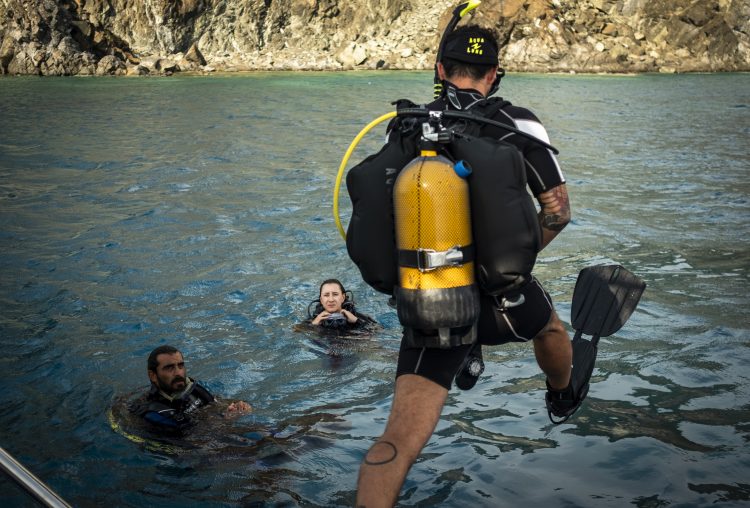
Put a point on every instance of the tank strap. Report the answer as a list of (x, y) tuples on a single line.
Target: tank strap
[(428, 259)]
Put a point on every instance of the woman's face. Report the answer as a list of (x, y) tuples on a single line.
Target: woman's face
[(331, 297)]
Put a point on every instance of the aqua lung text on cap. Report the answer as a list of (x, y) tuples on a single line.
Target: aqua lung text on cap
[(471, 47)]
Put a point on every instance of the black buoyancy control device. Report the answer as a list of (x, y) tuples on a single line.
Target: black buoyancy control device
[(506, 230), (506, 235), (370, 236)]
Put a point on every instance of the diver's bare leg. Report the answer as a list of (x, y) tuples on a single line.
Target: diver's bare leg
[(417, 404), (554, 353)]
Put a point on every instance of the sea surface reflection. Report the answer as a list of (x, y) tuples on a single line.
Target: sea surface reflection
[(197, 211)]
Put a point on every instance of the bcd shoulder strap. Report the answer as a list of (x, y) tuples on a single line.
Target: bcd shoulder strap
[(490, 107)]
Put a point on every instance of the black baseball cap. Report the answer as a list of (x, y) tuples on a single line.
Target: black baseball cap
[(472, 45)]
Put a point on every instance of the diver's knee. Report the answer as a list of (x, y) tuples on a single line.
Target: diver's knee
[(553, 329)]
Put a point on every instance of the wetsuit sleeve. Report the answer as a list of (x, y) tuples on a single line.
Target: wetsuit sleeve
[(542, 168), (361, 322)]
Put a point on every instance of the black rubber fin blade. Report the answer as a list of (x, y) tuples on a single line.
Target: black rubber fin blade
[(604, 298)]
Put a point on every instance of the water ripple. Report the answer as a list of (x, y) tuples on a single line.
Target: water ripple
[(118, 236)]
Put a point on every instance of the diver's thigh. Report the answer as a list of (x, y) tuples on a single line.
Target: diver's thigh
[(518, 323), (437, 365)]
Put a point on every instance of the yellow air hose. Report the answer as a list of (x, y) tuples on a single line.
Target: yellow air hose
[(342, 167)]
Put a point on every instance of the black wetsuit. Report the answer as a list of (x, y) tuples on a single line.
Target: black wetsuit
[(343, 324), (339, 323), (518, 315), (173, 414)]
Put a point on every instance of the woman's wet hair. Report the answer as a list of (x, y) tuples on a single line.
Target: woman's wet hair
[(331, 281)]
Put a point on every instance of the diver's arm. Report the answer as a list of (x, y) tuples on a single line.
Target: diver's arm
[(554, 214), (543, 174), (350, 317)]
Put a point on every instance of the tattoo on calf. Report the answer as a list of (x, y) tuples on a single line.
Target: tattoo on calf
[(370, 462)]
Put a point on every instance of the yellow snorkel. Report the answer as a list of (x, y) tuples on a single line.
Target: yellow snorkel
[(458, 13)]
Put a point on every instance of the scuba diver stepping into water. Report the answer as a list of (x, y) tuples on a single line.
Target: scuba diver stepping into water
[(460, 264)]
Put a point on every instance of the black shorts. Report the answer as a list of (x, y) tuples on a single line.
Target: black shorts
[(517, 317)]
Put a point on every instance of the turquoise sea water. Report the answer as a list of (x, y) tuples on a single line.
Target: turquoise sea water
[(197, 211)]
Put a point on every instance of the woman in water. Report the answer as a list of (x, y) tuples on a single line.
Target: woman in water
[(337, 311)]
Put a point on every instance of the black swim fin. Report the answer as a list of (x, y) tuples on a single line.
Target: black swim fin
[(604, 298)]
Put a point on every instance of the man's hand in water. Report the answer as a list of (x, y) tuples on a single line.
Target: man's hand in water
[(237, 408)]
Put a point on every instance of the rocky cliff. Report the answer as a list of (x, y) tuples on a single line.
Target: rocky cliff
[(69, 37)]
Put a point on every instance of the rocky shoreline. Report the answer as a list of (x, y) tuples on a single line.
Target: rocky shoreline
[(163, 37)]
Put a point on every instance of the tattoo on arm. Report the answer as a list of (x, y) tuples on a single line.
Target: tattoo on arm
[(391, 456), (557, 199), (552, 222)]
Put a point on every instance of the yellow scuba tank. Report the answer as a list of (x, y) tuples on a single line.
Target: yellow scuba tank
[(436, 296)]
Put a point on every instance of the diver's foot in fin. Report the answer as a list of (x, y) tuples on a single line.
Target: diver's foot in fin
[(604, 298), (471, 369), (563, 403)]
